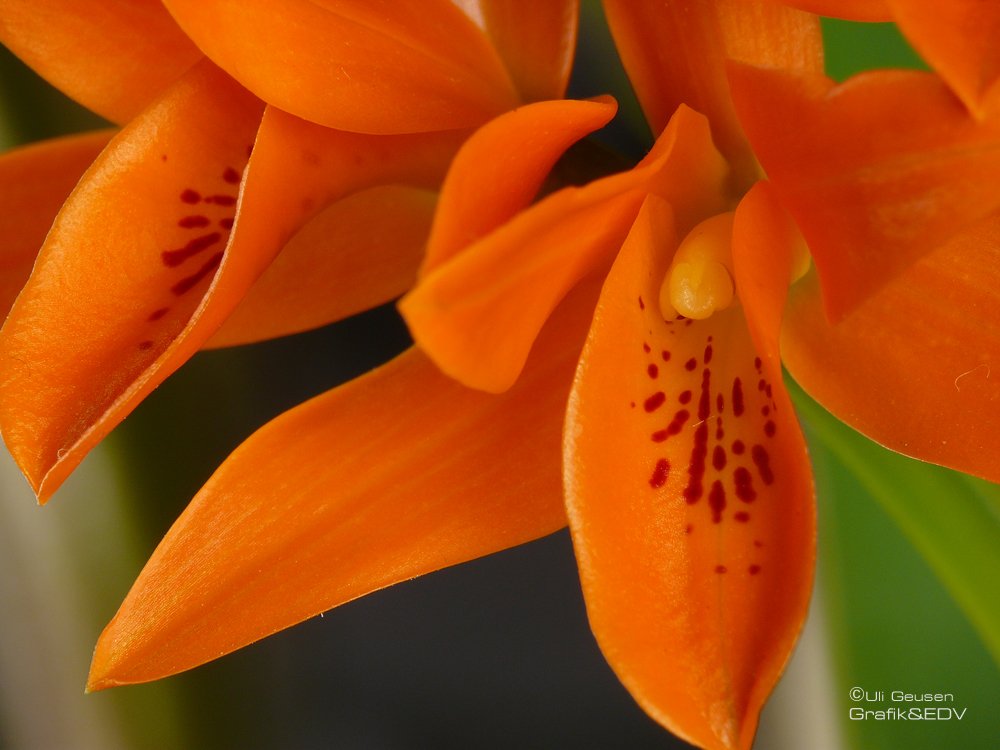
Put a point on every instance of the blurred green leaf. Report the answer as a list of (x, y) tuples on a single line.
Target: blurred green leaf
[(953, 520)]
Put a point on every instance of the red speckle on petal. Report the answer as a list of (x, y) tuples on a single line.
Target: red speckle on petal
[(660, 473), (708, 355), (172, 258), (769, 428), (646, 348), (696, 467), (720, 569), (145, 345), (754, 570), (158, 313), (665, 355), (717, 500), (685, 397), (642, 305), (654, 402), (652, 371), (719, 458), (231, 176), (691, 364), (744, 485), (189, 282), (189, 222), (190, 196), (742, 516), (762, 461), (737, 397), (738, 447)]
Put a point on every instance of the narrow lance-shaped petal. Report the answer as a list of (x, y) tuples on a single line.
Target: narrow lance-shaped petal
[(478, 314), (296, 521), (121, 298), (959, 39), (688, 488), (675, 53), (930, 337), (113, 56), (360, 252), (34, 182), (877, 171), (370, 66)]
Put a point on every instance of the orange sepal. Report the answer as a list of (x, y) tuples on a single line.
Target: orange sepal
[(877, 171), (500, 168), (389, 66), (689, 495), (676, 53), (360, 252), (536, 41), (34, 182), (126, 288), (959, 39), (478, 314), (848, 10), (395, 474), (917, 366), (113, 56)]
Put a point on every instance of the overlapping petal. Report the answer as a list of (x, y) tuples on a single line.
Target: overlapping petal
[(930, 337), (478, 315), (360, 252), (113, 56), (536, 41), (382, 66), (126, 287), (499, 170), (959, 39), (688, 488), (34, 182), (877, 171), (676, 52), (296, 522)]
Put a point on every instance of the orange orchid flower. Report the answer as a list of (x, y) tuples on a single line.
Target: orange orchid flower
[(686, 479), (184, 209)]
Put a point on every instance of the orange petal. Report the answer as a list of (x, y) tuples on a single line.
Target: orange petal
[(849, 10), (126, 286), (536, 41), (676, 53), (930, 340), (113, 56), (360, 252), (34, 182), (501, 167), (478, 314), (877, 171), (373, 67), (395, 474), (689, 495), (959, 39)]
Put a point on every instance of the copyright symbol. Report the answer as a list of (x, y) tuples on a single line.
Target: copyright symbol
[(857, 694)]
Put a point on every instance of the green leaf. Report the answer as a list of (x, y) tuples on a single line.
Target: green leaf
[(953, 520)]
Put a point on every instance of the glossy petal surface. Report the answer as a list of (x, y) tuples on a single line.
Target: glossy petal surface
[(959, 39), (113, 56), (390, 476), (501, 167), (382, 66), (122, 297), (877, 171), (34, 182), (478, 315), (931, 337), (360, 252), (675, 53), (689, 496), (536, 41)]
